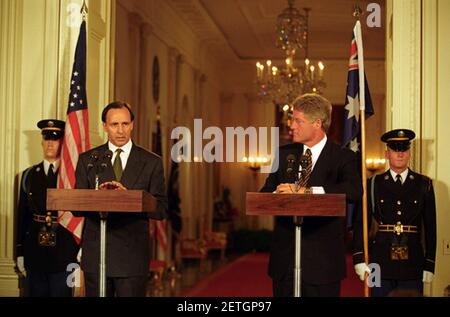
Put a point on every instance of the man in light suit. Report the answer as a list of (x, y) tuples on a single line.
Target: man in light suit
[(333, 170), (128, 245)]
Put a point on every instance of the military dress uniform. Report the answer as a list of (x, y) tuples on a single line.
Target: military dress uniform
[(46, 246), (402, 229)]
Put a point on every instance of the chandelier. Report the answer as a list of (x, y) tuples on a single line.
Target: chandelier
[(282, 85)]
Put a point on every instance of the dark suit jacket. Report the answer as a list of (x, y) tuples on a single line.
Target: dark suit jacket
[(322, 245), (32, 200), (413, 203), (128, 237)]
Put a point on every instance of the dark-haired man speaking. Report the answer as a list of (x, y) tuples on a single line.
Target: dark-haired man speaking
[(127, 235)]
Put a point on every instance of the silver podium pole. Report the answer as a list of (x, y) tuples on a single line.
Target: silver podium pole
[(298, 248), (102, 288), (102, 264)]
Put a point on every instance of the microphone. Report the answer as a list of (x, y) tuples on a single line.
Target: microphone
[(107, 155), (93, 158), (290, 164)]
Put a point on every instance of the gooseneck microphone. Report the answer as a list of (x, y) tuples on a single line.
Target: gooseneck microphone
[(93, 158), (290, 163), (107, 155)]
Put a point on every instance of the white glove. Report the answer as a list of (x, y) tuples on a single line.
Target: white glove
[(361, 269), (79, 255), (20, 264), (427, 277)]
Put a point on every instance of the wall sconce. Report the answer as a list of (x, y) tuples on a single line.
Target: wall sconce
[(375, 164), (254, 163)]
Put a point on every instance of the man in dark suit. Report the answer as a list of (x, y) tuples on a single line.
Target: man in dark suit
[(127, 237), (44, 248), (401, 214), (333, 170)]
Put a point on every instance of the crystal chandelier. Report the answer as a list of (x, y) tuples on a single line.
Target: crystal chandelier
[(282, 85)]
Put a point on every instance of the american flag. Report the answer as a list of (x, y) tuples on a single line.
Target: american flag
[(76, 134), (355, 102)]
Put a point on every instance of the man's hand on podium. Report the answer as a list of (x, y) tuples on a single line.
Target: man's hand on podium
[(285, 188), (112, 185)]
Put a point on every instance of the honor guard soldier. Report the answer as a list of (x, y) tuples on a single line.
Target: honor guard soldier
[(402, 215), (44, 248)]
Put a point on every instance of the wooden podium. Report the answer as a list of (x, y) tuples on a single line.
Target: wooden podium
[(297, 205), (103, 202)]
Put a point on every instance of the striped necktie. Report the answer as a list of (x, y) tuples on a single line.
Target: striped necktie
[(306, 163)]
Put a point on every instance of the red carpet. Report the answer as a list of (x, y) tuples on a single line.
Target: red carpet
[(244, 277), (351, 286), (247, 277)]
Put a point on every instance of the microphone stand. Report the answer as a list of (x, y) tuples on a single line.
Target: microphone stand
[(298, 221), (99, 169)]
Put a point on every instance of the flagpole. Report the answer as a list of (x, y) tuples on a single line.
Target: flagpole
[(362, 100)]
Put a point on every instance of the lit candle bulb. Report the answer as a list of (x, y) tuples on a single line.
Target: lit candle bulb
[(288, 61), (269, 63), (312, 68), (321, 67), (274, 71), (306, 62), (258, 70)]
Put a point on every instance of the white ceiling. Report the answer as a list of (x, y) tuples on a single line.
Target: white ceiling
[(246, 28)]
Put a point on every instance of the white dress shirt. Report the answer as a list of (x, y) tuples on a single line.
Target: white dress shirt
[(315, 153), (316, 150), (47, 166), (403, 175), (123, 155)]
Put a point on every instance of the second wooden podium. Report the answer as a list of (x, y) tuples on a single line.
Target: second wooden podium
[(101, 201), (298, 206)]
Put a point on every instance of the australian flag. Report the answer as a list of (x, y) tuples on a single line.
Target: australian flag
[(352, 124), (354, 104)]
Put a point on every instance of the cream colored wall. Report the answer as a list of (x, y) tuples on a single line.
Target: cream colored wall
[(420, 55), (40, 38)]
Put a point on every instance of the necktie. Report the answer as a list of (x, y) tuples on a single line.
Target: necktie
[(306, 163), (398, 180), (51, 177), (117, 165)]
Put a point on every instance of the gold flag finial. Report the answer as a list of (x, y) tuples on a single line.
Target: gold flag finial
[(357, 12), (84, 10)]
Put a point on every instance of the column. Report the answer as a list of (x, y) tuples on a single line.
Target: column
[(10, 61), (403, 65)]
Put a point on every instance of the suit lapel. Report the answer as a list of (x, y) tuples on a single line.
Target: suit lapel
[(133, 168), (320, 168)]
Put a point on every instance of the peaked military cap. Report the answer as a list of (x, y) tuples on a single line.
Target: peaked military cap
[(51, 129), (398, 140)]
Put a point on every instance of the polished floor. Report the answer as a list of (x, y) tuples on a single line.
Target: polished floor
[(176, 282)]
